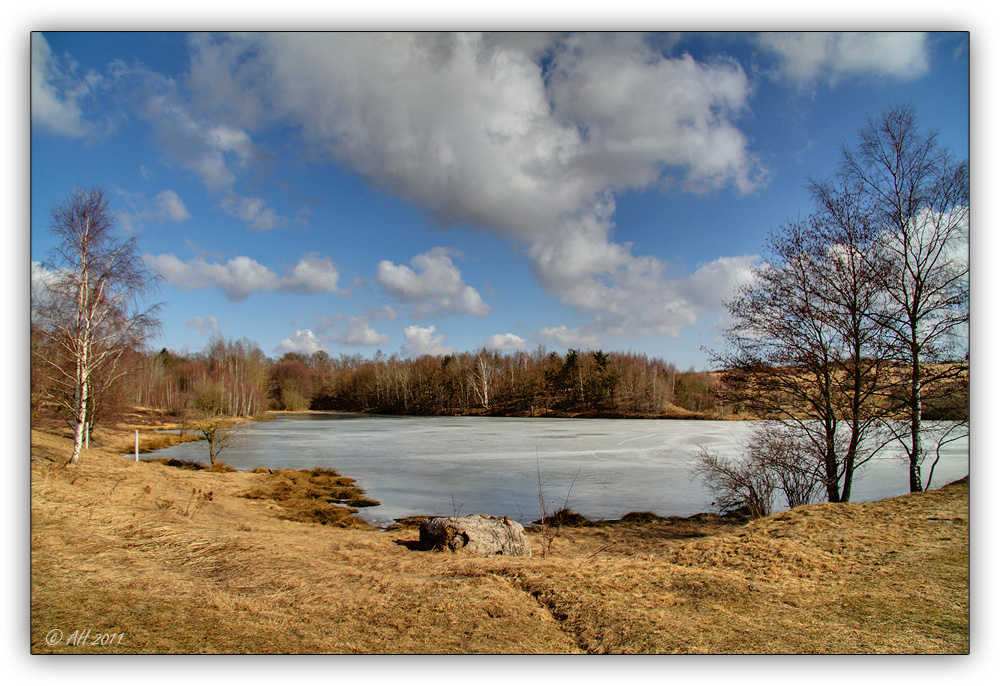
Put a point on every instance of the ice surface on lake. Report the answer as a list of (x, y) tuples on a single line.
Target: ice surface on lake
[(444, 465)]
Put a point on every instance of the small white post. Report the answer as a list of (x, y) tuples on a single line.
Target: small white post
[(136, 445), (86, 435)]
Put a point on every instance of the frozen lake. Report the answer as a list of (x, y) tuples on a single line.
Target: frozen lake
[(440, 465)]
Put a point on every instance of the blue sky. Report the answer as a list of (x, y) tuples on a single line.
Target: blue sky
[(422, 193)]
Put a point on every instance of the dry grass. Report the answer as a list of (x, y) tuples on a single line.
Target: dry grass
[(139, 549), (318, 495)]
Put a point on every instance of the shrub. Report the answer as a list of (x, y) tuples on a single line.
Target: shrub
[(781, 450), (736, 484), (774, 457)]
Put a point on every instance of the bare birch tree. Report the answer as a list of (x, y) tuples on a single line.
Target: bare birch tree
[(482, 376), (92, 309)]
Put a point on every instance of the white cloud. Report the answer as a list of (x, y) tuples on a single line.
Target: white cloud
[(359, 332), (56, 91), (424, 341), (254, 211), (437, 286), (216, 153), (165, 206), (505, 341), (170, 204), (204, 326), (478, 129), (833, 57), (384, 312), (42, 280), (241, 276), (716, 282), (304, 341), (313, 274), (568, 338)]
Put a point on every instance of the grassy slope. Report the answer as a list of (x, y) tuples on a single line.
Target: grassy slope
[(119, 546)]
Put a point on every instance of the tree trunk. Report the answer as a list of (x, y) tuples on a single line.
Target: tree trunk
[(916, 447), (80, 421), (82, 342)]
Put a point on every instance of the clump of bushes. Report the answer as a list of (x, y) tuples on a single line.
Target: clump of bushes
[(774, 458)]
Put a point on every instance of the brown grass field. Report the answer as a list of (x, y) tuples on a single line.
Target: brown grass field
[(154, 559)]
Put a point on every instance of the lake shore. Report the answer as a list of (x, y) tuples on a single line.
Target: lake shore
[(442, 465), (180, 561)]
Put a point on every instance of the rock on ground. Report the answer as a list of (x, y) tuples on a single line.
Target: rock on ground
[(475, 535)]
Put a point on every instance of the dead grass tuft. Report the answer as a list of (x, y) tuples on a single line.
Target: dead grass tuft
[(563, 517), (317, 495)]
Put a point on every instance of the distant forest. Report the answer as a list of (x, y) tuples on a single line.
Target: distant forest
[(235, 378)]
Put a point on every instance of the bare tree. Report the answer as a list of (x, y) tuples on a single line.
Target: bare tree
[(219, 433), (803, 347), (91, 311), (482, 376), (920, 200)]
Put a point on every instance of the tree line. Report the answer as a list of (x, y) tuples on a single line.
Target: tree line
[(235, 378)]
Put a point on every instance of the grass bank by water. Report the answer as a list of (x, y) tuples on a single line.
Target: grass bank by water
[(183, 561)]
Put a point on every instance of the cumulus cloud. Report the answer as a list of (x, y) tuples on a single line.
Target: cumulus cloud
[(716, 282), (505, 341), (205, 326), (360, 333), (833, 57), (313, 274), (532, 139), (241, 276), (424, 341), (304, 341), (434, 284), (238, 278)]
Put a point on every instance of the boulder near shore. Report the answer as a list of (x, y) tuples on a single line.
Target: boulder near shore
[(475, 535)]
